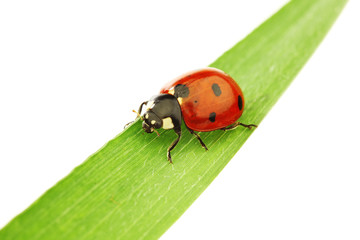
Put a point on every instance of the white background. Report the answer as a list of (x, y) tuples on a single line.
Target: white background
[(72, 71)]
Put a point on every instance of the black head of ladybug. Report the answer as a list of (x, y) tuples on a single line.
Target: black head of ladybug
[(161, 111), (151, 121)]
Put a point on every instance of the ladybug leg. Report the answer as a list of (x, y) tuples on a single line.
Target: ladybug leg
[(141, 106), (126, 125), (235, 125), (178, 132), (198, 138)]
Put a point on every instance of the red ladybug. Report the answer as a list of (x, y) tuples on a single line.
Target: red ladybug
[(206, 99)]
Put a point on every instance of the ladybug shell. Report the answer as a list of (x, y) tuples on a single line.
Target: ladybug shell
[(209, 99)]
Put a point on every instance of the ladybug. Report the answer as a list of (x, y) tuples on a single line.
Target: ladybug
[(207, 99)]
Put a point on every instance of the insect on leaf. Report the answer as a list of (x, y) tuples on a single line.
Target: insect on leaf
[(128, 190)]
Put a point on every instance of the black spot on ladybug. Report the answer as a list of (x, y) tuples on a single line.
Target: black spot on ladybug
[(212, 117), (195, 101), (240, 102), (216, 89), (181, 90)]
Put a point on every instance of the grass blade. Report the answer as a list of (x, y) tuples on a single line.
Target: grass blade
[(126, 192)]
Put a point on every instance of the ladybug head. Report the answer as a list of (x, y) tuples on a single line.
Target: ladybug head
[(162, 111), (151, 121)]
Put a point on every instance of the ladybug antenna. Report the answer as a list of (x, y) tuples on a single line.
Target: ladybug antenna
[(142, 119), (126, 125), (157, 132)]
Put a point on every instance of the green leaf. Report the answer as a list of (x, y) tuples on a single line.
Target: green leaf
[(124, 191)]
